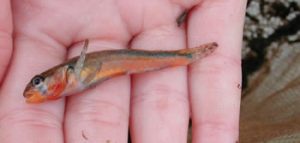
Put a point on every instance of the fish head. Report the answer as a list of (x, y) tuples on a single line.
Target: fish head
[(48, 85)]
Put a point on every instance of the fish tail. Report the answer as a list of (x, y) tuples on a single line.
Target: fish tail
[(199, 52)]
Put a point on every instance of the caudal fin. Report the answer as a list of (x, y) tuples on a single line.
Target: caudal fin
[(200, 51)]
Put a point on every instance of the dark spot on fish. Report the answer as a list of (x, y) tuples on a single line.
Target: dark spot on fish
[(190, 55)]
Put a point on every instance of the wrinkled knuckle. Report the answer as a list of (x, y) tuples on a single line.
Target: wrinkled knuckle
[(102, 113), (161, 94), (31, 118), (216, 126)]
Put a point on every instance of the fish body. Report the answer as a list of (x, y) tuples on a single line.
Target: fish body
[(86, 70)]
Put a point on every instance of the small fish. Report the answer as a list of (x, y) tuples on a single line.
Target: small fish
[(89, 69)]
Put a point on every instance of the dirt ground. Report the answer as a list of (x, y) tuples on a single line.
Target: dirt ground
[(271, 72)]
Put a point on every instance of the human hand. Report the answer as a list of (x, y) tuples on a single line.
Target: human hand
[(160, 101)]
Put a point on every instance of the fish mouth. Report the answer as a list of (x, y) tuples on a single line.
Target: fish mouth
[(34, 98)]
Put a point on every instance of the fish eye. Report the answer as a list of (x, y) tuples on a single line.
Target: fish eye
[(70, 67), (37, 80)]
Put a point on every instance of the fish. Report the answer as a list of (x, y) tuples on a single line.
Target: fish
[(90, 69)]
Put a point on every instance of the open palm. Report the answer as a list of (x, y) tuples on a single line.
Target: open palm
[(155, 106)]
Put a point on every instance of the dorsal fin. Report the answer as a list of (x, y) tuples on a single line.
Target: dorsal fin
[(80, 62)]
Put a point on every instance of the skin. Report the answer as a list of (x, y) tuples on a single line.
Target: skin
[(160, 103)]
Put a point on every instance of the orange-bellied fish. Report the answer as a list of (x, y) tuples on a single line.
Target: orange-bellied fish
[(89, 69)]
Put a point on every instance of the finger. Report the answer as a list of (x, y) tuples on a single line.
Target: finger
[(5, 36), (22, 122), (100, 114), (19, 121), (159, 107), (215, 81)]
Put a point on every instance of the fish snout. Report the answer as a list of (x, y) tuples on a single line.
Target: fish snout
[(33, 97), (27, 95)]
